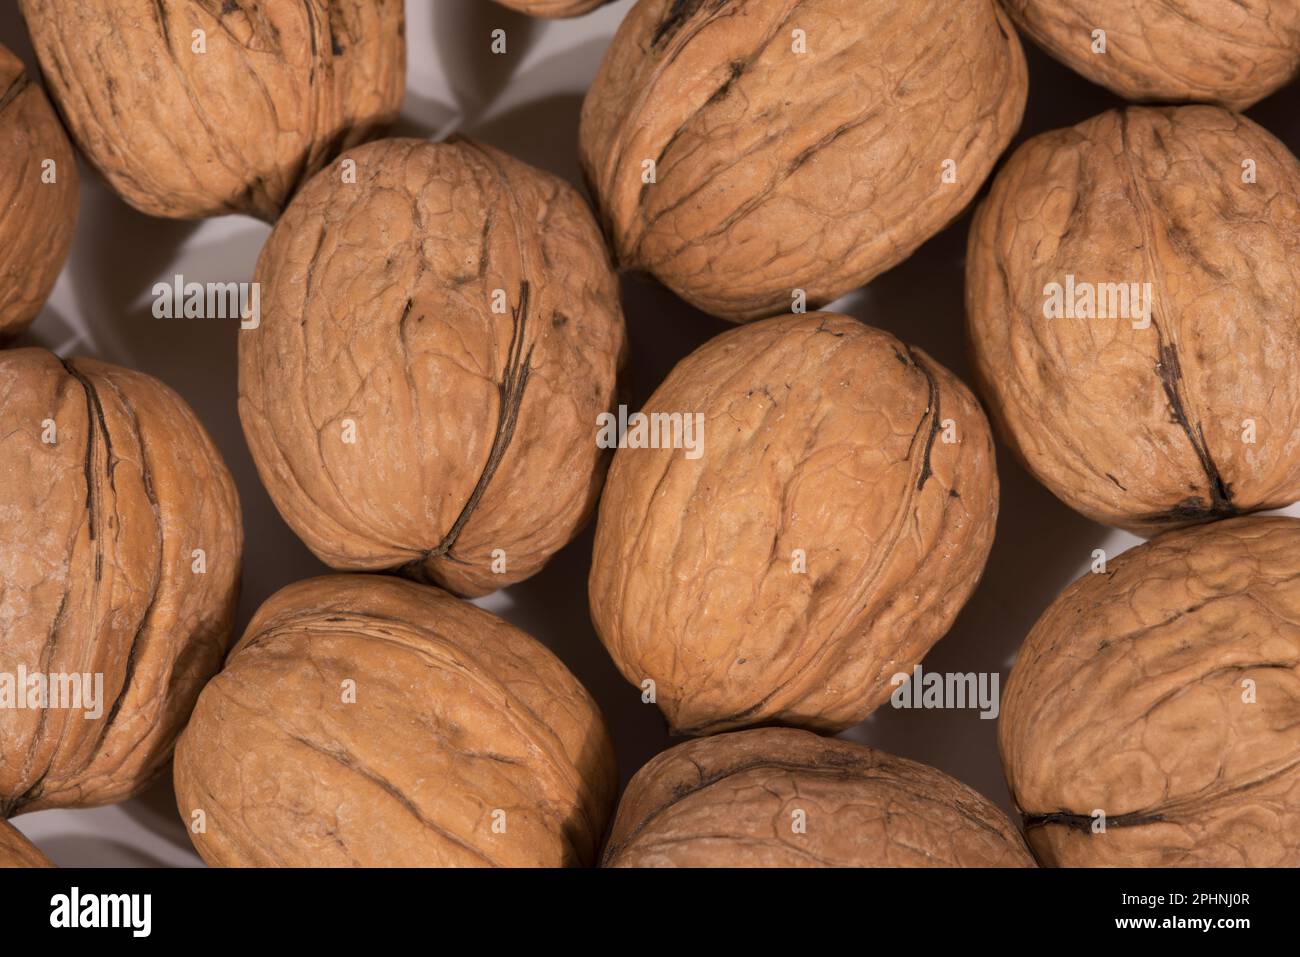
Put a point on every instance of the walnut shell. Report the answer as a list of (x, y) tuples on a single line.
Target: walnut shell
[(458, 308), (120, 545), (778, 171), (37, 217), (821, 543), (1209, 51), (776, 797), (465, 741), (553, 8), (17, 851), (280, 87), (1165, 694), (1145, 426)]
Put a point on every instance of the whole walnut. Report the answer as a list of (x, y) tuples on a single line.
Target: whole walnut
[(38, 189), (1131, 298), (120, 545), (17, 851), (1152, 718), (833, 517), (194, 108), (369, 721), (744, 150), (553, 8), (776, 797), (1230, 53), (440, 331)]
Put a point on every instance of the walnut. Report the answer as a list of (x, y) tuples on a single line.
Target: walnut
[(438, 338), (1152, 718), (38, 186), (742, 152), (1131, 294), (837, 515), (776, 797), (17, 851), (120, 551), (1194, 50), (195, 108), (369, 721), (553, 8)]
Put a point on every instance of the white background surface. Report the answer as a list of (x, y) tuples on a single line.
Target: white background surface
[(528, 102)]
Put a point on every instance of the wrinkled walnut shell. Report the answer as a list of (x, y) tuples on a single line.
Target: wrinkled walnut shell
[(824, 446), (776, 797), (777, 170), (1129, 698), (17, 851), (37, 218), (110, 488), (553, 8), (466, 742), (1145, 428), (458, 307), (1207, 51), (283, 85)]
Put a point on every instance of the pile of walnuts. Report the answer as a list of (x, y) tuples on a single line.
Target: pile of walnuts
[(434, 399)]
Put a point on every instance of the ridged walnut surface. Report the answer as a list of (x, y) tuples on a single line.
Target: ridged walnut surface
[(1128, 698), (282, 87), (17, 851), (1230, 52), (820, 434), (37, 219), (1144, 428), (475, 429), (97, 537), (733, 801), (553, 8), (777, 170), (457, 715)]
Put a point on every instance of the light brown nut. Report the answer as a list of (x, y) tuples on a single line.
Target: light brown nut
[(38, 197), (1145, 425), (553, 8), (1209, 51), (369, 721), (120, 545), (1165, 695), (17, 851), (776, 797), (777, 170), (458, 309), (194, 108), (837, 515)]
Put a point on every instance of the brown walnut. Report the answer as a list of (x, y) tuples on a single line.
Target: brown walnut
[(37, 216), (776, 797), (120, 553), (17, 851), (1141, 424), (194, 108), (1164, 694), (1207, 51), (836, 519), (437, 341), (369, 721), (777, 170), (553, 8)]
